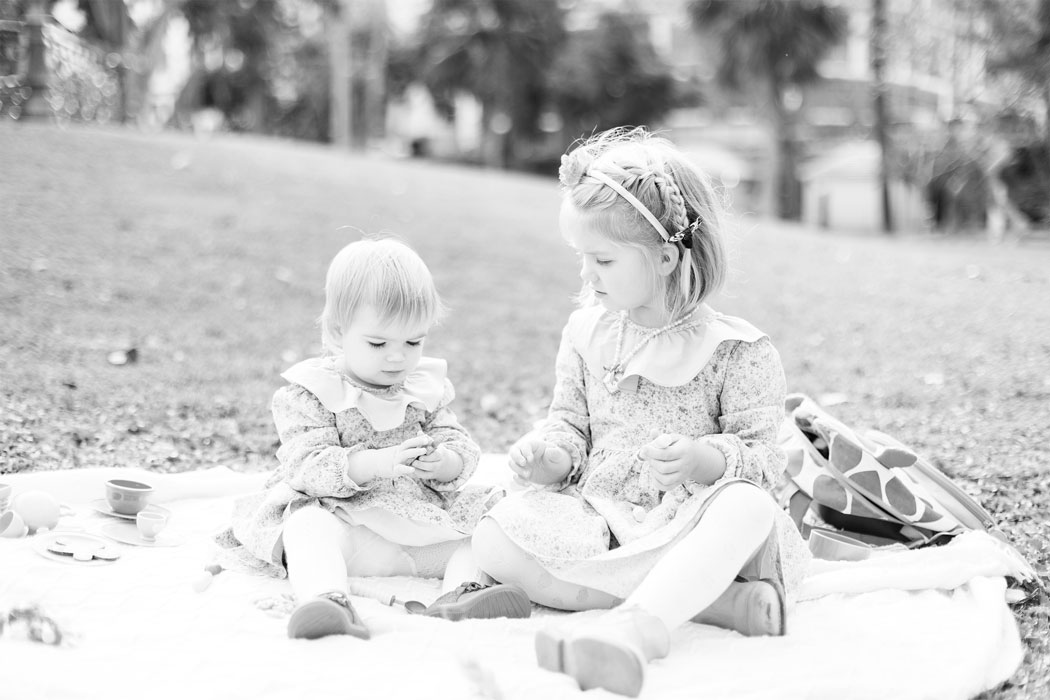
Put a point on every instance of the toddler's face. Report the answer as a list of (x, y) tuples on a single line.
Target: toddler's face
[(620, 276), (381, 352)]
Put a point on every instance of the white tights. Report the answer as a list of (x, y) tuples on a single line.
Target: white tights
[(321, 551), (686, 580)]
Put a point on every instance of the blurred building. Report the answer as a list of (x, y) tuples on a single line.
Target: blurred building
[(842, 190), (934, 72)]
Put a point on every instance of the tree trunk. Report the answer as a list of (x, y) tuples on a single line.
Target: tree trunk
[(507, 150), (38, 76), (340, 81), (1046, 124), (790, 187), (375, 72), (491, 144), (771, 191), (878, 64), (785, 189)]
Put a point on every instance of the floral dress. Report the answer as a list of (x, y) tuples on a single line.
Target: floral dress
[(718, 379), (322, 417)]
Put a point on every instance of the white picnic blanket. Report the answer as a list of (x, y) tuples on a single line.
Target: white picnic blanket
[(138, 626)]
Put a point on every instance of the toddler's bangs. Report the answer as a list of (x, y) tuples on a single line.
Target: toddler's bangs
[(384, 274), (403, 297)]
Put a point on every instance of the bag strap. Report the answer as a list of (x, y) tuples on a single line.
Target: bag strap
[(798, 504), (956, 501)]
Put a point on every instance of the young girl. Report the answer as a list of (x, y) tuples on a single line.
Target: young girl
[(372, 460), (651, 470)]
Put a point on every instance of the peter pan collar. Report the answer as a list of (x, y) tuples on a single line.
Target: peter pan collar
[(671, 359), (383, 408)]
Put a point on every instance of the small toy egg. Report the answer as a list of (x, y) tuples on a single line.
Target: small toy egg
[(11, 525), (39, 510), (201, 583)]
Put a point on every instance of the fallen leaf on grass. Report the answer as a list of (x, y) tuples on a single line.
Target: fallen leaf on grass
[(490, 404), (181, 160), (119, 358), (832, 399)]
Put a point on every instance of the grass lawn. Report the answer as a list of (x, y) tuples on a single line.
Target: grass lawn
[(207, 258)]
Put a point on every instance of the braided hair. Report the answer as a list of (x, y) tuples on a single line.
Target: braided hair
[(675, 192)]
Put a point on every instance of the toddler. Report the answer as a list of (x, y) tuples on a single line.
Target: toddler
[(372, 461)]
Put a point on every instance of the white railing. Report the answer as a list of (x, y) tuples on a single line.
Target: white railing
[(77, 81)]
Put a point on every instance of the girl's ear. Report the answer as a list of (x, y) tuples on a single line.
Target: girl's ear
[(669, 257)]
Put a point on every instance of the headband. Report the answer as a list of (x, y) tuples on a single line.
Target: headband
[(633, 201), (685, 236)]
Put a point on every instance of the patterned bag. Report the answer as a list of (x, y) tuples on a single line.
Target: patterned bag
[(869, 485), (873, 491)]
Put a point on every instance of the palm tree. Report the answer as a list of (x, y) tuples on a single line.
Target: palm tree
[(772, 46), (1022, 49), (242, 34), (500, 51), (610, 76), (357, 34)]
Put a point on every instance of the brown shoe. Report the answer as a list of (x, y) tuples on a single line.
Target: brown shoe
[(610, 653), (476, 601), (752, 608), (327, 614)]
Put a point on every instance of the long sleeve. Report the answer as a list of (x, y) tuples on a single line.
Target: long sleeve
[(752, 409), (444, 427), (568, 423), (312, 460)]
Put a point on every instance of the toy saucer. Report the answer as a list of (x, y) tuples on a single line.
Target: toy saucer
[(101, 505), (72, 547), (128, 533)]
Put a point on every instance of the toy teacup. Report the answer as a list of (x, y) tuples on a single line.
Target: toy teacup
[(834, 546), (150, 523), (127, 497), (12, 525)]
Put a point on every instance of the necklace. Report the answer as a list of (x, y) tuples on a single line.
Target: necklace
[(614, 372)]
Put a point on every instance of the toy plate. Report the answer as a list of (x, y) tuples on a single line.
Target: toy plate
[(128, 533), (100, 505), (52, 544)]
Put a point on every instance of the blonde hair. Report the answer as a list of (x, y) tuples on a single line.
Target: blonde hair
[(674, 190), (383, 273)]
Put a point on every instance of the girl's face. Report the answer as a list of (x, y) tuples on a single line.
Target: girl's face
[(620, 276), (379, 352)]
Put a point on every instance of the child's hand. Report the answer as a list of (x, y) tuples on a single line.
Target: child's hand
[(440, 463), (538, 461), (388, 462), (410, 450), (672, 459)]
